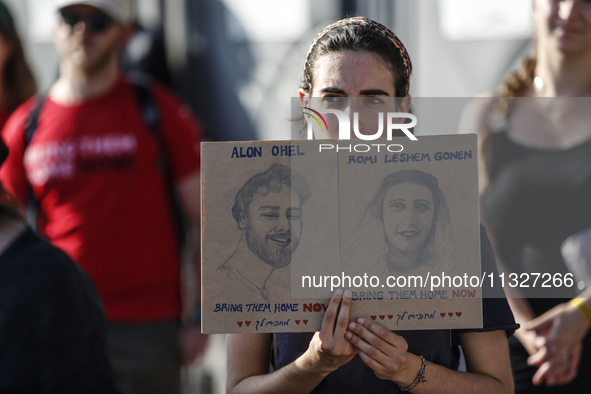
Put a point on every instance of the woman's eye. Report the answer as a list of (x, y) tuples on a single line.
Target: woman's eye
[(373, 100), (422, 207), (398, 206), (333, 100)]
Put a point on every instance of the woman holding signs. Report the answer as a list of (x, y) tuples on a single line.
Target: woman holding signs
[(358, 57)]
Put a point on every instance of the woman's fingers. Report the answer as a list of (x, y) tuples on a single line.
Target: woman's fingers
[(343, 317), (568, 369), (329, 346), (370, 350), (365, 340), (560, 368), (330, 316), (575, 354), (377, 335), (542, 323), (541, 373), (379, 348), (336, 317), (379, 368), (538, 358)]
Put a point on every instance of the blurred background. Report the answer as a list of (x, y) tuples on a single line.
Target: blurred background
[(245, 58)]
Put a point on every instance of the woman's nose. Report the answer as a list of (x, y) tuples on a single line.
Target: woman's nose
[(408, 217), (565, 8)]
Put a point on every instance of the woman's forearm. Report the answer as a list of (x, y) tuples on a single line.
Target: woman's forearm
[(299, 377), (445, 380)]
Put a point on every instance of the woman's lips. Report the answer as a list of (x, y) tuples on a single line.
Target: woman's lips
[(569, 29)]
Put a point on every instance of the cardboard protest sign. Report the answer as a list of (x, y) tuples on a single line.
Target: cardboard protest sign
[(283, 221)]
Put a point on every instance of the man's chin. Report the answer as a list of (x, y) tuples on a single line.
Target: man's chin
[(279, 260), (79, 59)]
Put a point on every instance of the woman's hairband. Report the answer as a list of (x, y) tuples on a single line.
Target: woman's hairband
[(365, 22)]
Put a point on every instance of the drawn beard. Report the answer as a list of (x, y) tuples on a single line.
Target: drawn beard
[(274, 255)]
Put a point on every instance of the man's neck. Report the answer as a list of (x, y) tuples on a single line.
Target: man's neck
[(75, 85)]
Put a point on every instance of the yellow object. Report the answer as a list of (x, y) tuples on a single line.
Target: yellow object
[(580, 304)]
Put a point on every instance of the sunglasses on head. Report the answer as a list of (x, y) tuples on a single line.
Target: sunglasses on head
[(95, 22)]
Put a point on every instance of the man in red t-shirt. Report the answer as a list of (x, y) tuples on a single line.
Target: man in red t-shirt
[(93, 167)]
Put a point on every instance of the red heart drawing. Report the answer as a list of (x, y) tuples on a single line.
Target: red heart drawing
[(450, 314), (442, 314), (458, 314), (239, 324), (305, 321), (297, 322), (382, 317), (373, 317), (247, 323), (390, 317)]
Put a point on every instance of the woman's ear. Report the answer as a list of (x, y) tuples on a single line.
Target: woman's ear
[(304, 97), (405, 104)]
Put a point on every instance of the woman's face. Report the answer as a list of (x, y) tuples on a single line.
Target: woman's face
[(408, 216), (563, 25), (352, 81)]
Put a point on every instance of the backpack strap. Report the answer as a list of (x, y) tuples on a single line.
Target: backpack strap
[(151, 118), (32, 119), (30, 127)]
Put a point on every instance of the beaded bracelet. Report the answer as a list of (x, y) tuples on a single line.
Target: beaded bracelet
[(420, 377), (583, 308)]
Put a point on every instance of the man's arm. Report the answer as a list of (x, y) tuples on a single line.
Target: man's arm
[(189, 193), (182, 134), (188, 190)]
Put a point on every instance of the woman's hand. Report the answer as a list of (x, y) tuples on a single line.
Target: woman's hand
[(556, 369), (384, 352), (329, 349), (563, 329), (487, 361), (531, 341)]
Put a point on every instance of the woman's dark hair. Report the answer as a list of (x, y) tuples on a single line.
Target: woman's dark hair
[(362, 38), (18, 80)]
